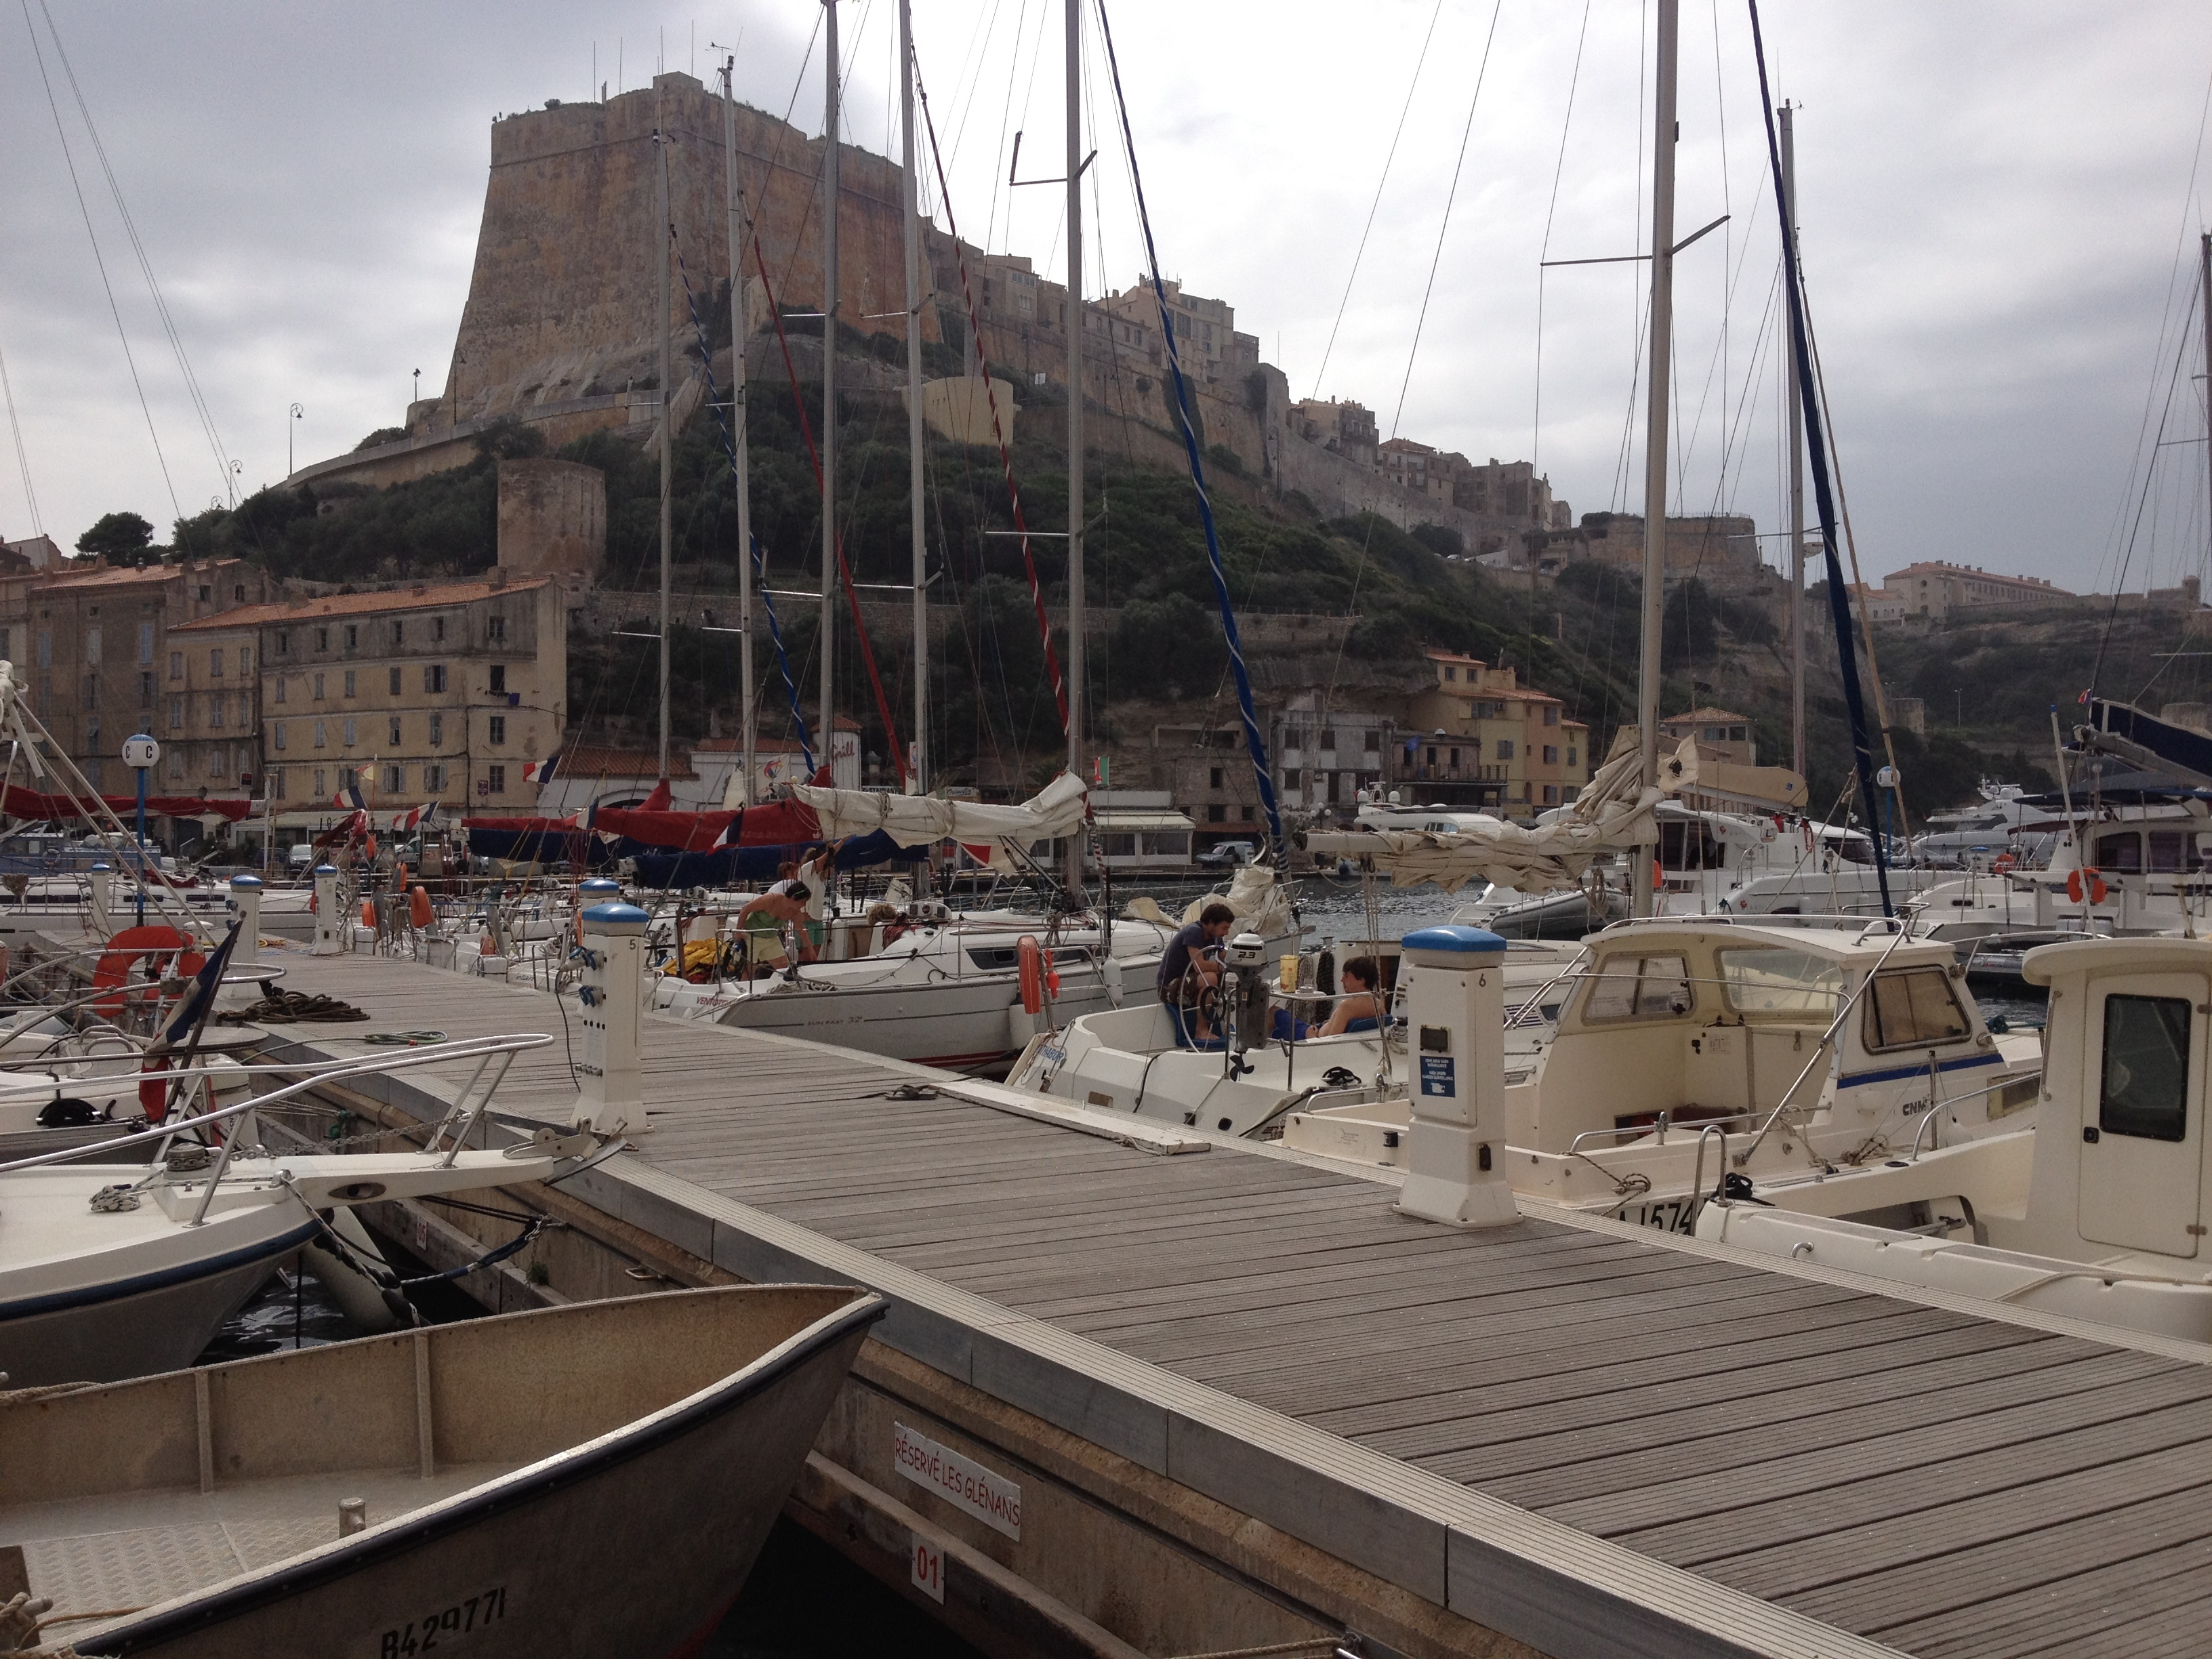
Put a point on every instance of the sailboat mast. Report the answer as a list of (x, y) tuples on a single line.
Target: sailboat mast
[(1075, 607), (2207, 250), (918, 773), (747, 715), (825, 644), (1797, 479), (1642, 885), (667, 421)]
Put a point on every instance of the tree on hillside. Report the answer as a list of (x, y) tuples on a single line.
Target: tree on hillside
[(119, 535)]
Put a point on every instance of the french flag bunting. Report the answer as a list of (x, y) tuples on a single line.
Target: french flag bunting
[(349, 798), (541, 772), (425, 814), (728, 838)]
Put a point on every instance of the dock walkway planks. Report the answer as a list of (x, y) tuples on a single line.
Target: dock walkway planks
[(1924, 1478)]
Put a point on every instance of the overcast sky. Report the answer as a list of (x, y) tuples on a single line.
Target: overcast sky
[(2000, 206)]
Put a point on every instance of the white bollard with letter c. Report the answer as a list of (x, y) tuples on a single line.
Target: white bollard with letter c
[(1455, 1006)]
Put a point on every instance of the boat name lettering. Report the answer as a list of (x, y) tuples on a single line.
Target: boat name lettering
[(991, 1498), (441, 1629)]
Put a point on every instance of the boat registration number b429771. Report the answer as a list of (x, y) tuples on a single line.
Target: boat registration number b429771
[(441, 1629)]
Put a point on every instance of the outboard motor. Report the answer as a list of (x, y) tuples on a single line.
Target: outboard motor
[(1243, 997)]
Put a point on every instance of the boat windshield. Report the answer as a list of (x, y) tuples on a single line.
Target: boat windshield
[(1771, 980)]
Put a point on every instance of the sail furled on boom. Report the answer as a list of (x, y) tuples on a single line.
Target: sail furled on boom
[(1839, 604), (1253, 743)]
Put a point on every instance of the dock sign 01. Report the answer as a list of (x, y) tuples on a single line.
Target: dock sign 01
[(1438, 1077), (991, 1498)]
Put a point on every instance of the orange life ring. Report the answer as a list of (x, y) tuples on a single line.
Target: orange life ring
[(2001, 862), (1030, 955), (2087, 881)]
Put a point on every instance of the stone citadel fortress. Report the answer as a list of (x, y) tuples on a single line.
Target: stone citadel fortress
[(558, 328)]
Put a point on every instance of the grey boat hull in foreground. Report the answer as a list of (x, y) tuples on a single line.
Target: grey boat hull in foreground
[(592, 1479)]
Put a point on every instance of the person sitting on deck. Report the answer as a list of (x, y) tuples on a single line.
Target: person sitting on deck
[(1359, 1009), (763, 920), (1190, 972)]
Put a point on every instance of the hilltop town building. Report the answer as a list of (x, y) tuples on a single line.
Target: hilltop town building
[(1496, 744), (1933, 589), (1718, 549), (1345, 428), (1719, 733), (425, 694), (93, 647)]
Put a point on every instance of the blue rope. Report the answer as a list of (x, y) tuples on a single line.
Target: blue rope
[(1253, 743), (1816, 445), (730, 448)]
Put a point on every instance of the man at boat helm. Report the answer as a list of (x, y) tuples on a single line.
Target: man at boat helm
[(1189, 968), (762, 922)]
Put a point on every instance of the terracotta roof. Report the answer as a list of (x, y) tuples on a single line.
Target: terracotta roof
[(579, 762), (119, 576), (356, 605), (1706, 717)]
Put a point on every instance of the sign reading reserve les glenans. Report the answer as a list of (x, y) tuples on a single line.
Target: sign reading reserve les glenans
[(991, 1498)]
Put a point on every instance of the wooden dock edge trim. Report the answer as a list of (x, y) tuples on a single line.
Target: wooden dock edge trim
[(1298, 1577), (867, 1525), (1560, 1590)]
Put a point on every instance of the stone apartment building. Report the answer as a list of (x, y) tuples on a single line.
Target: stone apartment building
[(93, 644), (1476, 738), (431, 693), (1346, 428), (1324, 756)]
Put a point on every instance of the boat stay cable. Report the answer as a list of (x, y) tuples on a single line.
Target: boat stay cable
[(1255, 744), (1817, 451), (1390, 156)]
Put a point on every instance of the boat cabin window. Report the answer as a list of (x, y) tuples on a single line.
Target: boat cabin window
[(2120, 852), (1690, 846), (1638, 988), (1767, 981), (2145, 1088), (992, 956), (1912, 1008), (2174, 852)]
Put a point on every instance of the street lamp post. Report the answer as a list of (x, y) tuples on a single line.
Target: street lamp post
[(418, 390), (142, 754), (296, 413)]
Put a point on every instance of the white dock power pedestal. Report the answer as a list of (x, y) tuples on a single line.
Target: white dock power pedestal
[(613, 986), (1456, 1053), (331, 928)]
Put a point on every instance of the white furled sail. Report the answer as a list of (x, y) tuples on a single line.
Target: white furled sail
[(1612, 814), (1056, 810)]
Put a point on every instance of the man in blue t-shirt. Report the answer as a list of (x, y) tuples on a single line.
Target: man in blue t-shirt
[(1189, 968)]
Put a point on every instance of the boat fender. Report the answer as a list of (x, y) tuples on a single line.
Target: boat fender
[(1030, 957), (368, 912), (1658, 876), (418, 908), (2079, 882)]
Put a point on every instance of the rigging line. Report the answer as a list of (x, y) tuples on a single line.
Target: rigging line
[(145, 265), (759, 558), (1550, 211), (1404, 110), (113, 310), (2150, 474), (1006, 115), (1451, 196), (2165, 320), (22, 456), (964, 92), (814, 460), (991, 401), (1255, 746)]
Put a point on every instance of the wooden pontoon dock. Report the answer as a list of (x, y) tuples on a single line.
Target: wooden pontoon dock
[(1148, 1390)]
